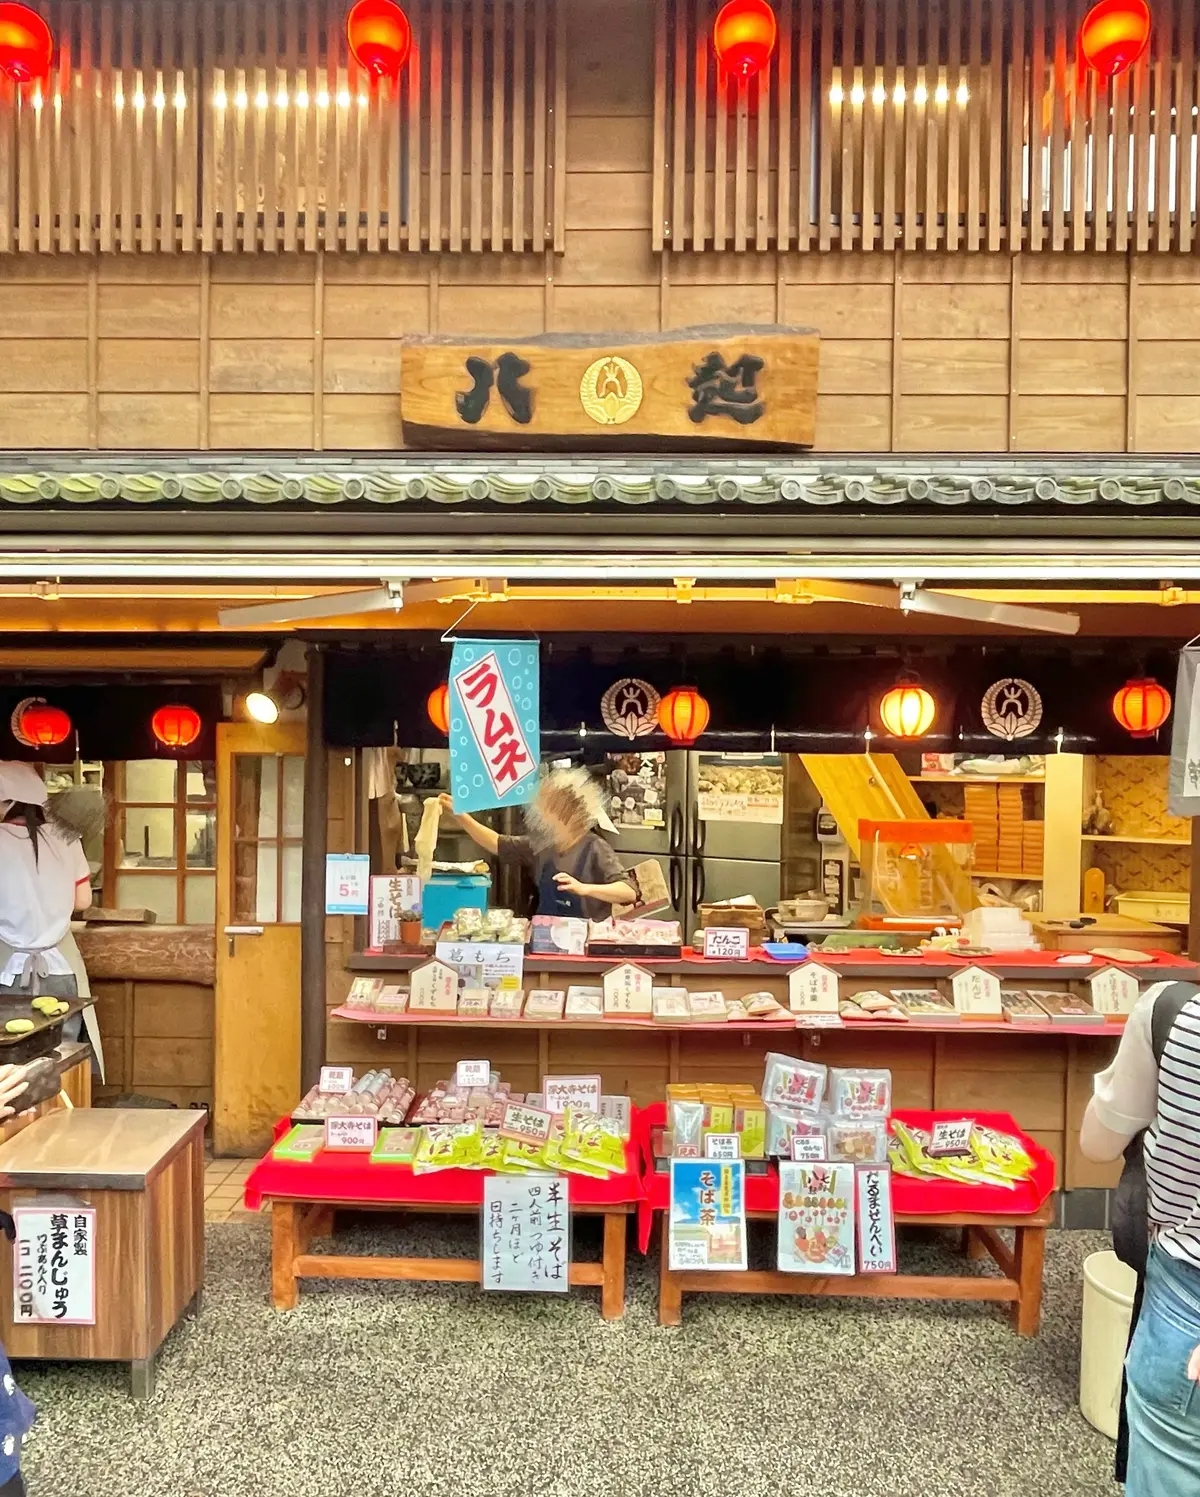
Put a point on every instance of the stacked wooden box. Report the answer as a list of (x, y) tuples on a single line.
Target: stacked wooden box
[(1010, 806), (1033, 839), (980, 809)]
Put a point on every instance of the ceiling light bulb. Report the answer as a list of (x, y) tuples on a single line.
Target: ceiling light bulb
[(281, 99), (180, 99), (835, 94), (219, 98), (323, 100), (302, 100), (240, 98), (942, 94), (898, 94), (363, 101), (344, 98), (261, 707), (139, 100), (260, 98), (919, 94), (160, 100), (119, 99), (962, 93), (857, 95), (878, 94)]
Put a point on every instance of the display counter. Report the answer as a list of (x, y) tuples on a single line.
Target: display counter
[(153, 987), (1041, 1076)]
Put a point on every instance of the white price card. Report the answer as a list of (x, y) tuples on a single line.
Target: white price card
[(433, 988), (347, 883), (876, 1222), (1114, 991), (352, 1133), (336, 1080), (473, 1073), (579, 1092), (628, 990), (977, 994), (727, 943), (951, 1137), (809, 1148), (722, 1146), (54, 1264), (812, 989)]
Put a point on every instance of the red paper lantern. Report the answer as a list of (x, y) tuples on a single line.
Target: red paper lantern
[(438, 707), (907, 711), (744, 36), (683, 715), (380, 36), (176, 726), (1142, 706), (1114, 35), (26, 43), (39, 725)]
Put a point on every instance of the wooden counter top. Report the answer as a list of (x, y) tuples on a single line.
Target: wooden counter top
[(157, 953), (96, 1149)]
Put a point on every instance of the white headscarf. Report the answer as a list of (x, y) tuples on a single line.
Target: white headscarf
[(20, 782)]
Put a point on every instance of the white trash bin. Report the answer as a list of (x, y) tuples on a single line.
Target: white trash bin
[(1108, 1290)]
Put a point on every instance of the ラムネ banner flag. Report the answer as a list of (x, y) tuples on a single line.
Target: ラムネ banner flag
[(494, 736)]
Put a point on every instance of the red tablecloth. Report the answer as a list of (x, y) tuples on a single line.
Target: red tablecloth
[(909, 1197), (352, 1177)]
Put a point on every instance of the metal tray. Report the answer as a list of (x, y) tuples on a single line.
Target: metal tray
[(45, 1036)]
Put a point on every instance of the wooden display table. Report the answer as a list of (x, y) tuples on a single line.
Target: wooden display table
[(1056, 934), (1020, 1284), (304, 1198), (143, 1173)]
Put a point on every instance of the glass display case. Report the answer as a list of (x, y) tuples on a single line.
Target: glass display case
[(916, 875)]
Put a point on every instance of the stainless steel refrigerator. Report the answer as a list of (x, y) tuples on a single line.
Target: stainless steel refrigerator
[(713, 822)]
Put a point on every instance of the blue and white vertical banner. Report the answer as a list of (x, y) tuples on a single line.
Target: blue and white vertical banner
[(495, 738)]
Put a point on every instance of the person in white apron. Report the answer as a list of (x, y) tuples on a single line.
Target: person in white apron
[(44, 879)]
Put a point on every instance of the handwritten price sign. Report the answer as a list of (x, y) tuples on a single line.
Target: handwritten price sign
[(727, 943)]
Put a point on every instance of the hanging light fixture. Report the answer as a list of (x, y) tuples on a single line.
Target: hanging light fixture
[(1114, 34), (380, 36), (176, 726), (744, 36), (908, 710), (1142, 706), (36, 724), (26, 43), (683, 715), (438, 707)]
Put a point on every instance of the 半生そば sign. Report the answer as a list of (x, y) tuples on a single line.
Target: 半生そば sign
[(494, 735), (526, 1234), (54, 1265)]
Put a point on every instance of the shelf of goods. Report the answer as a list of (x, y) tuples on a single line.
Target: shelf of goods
[(1040, 1074)]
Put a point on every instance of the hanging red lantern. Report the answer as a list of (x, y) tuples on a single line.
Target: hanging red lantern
[(176, 726), (1114, 35), (438, 707), (1142, 706), (744, 36), (36, 724), (908, 710), (683, 715), (380, 36), (26, 43)]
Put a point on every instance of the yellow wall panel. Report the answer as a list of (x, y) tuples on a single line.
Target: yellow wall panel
[(157, 421), (149, 364), (152, 311)]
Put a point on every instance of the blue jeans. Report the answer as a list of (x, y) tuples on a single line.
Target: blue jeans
[(1163, 1402)]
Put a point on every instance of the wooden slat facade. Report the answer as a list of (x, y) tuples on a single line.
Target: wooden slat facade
[(927, 124), (245, 126)]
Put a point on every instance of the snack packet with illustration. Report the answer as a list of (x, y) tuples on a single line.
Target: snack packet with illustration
[(784, 1125), (857, 1093), (446, 1146), (794, 1083), (592, 1140), (686, 1122), (1001, 1154), (858, 1140)]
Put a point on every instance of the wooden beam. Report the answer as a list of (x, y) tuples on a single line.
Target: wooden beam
[(312, 878)]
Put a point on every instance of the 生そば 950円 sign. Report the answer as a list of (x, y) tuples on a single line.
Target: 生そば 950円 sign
[(724, 386)]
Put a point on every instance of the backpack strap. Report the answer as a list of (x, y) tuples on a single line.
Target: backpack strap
[(1169, 1004)]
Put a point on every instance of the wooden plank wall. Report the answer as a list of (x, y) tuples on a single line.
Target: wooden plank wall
[(246, 126), (956, 124)]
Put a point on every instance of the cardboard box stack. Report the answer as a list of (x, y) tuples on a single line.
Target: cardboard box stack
[(1011, 845), (1033, 834), (980, 809)]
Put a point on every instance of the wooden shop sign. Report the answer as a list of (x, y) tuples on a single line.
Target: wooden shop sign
[(725, 386)]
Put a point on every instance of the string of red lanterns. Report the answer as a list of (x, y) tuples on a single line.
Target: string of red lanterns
[(744, 36), (1114, 34), (380, 37), (26, 43)]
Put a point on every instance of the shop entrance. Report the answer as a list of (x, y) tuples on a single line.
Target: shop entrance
[(260, 799)]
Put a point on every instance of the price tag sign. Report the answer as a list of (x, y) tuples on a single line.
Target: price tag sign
[(473, 1073), (808, 1148), (951, 1138), (628, 989), (819, 1021), (977, 994), (812, 989), (484, 964), (433, 989), (350, 1134), (336, 1080), (1114, 991), (580, 1092), (727, 944), (876, 1222), (722, 1146), (347, 883), (525, 1124)]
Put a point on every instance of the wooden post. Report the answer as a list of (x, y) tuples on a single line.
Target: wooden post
[(312, 883)]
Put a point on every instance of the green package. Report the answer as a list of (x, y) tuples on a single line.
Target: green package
[(396, 1146), (593, 1142), (303, 1142)]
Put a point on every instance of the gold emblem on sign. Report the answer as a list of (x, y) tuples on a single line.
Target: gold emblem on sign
[(610, 390)]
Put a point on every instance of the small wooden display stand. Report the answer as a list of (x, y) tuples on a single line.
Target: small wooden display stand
[(1020, 1284), (143, 1172), (294, 1225)]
